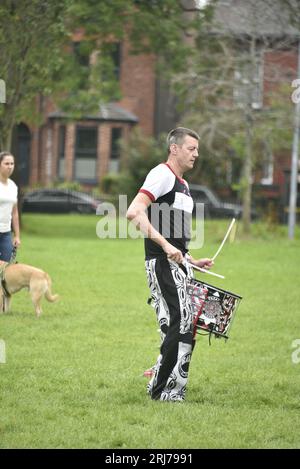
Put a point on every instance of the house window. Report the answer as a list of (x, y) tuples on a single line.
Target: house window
[(81, 56), (114, 164), (112, 62), (248, 84), (61, 151), (85, 164)]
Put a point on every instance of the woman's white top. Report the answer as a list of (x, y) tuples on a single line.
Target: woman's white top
[(8, 198)]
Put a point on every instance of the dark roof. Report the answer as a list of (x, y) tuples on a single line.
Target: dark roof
[(254, 17), (107, 112)]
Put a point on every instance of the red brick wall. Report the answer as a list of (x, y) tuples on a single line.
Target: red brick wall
[(69, 151), (137, 82), (281, 163), (280, 67), (44, 149), (43, 145), (104, 135), (34, 157), (54, 167)]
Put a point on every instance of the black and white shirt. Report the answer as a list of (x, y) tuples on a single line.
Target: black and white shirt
[(171, 210)]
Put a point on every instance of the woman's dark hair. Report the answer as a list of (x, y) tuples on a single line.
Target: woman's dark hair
[(3, 154)]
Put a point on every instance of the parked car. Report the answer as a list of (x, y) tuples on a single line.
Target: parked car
[(213, 206), (59, 201)]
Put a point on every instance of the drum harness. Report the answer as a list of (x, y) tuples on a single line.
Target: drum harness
[(210, 329)]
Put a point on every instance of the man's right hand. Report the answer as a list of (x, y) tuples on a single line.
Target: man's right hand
[(173, 253)]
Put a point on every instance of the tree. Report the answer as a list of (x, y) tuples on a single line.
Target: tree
[(236, 95), (140, 155), (31, 35), (35, 43)]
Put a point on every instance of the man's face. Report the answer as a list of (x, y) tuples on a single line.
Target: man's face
[(187, 152)]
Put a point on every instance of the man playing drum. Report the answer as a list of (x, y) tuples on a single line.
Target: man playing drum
[(162, 210)]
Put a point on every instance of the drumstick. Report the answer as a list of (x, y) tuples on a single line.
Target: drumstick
[(225, 237), (204, 270)]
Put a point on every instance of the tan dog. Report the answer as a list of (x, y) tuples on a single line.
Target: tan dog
[(18, 276)]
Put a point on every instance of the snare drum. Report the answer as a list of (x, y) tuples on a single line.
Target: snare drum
[(213, 308)]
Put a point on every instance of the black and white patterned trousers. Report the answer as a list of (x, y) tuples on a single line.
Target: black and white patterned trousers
[(167, 282)]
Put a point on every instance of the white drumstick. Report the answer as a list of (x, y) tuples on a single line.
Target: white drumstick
[(204, 270), (225, 237)]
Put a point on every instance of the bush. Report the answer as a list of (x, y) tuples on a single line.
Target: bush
[(69, 185), (116, 183), (141, 154)]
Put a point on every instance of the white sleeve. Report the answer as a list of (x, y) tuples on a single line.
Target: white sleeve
[(158, 182), (13, 189)]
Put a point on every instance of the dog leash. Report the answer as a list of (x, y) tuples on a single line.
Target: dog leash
[(2, 273), (13, 255)]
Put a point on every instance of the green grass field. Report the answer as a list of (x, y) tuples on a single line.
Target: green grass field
[(73, 377)]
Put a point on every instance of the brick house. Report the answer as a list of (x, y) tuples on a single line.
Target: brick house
[(86, 149), (276, 41)]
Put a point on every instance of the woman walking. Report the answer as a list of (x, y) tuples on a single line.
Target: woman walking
[(9, 216)]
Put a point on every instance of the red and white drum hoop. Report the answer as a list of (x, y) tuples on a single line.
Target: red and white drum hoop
[(213, 308)]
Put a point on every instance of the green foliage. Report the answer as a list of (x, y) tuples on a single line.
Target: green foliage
[(32, 34), (117, 183), (70, 185), (140, 155), (88, 85), (37, 56), (152, 27)]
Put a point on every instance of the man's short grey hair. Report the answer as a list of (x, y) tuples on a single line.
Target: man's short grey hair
[(178, 135)]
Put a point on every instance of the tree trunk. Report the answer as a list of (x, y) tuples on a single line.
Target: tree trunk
[(6, 126), (6, 137)]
